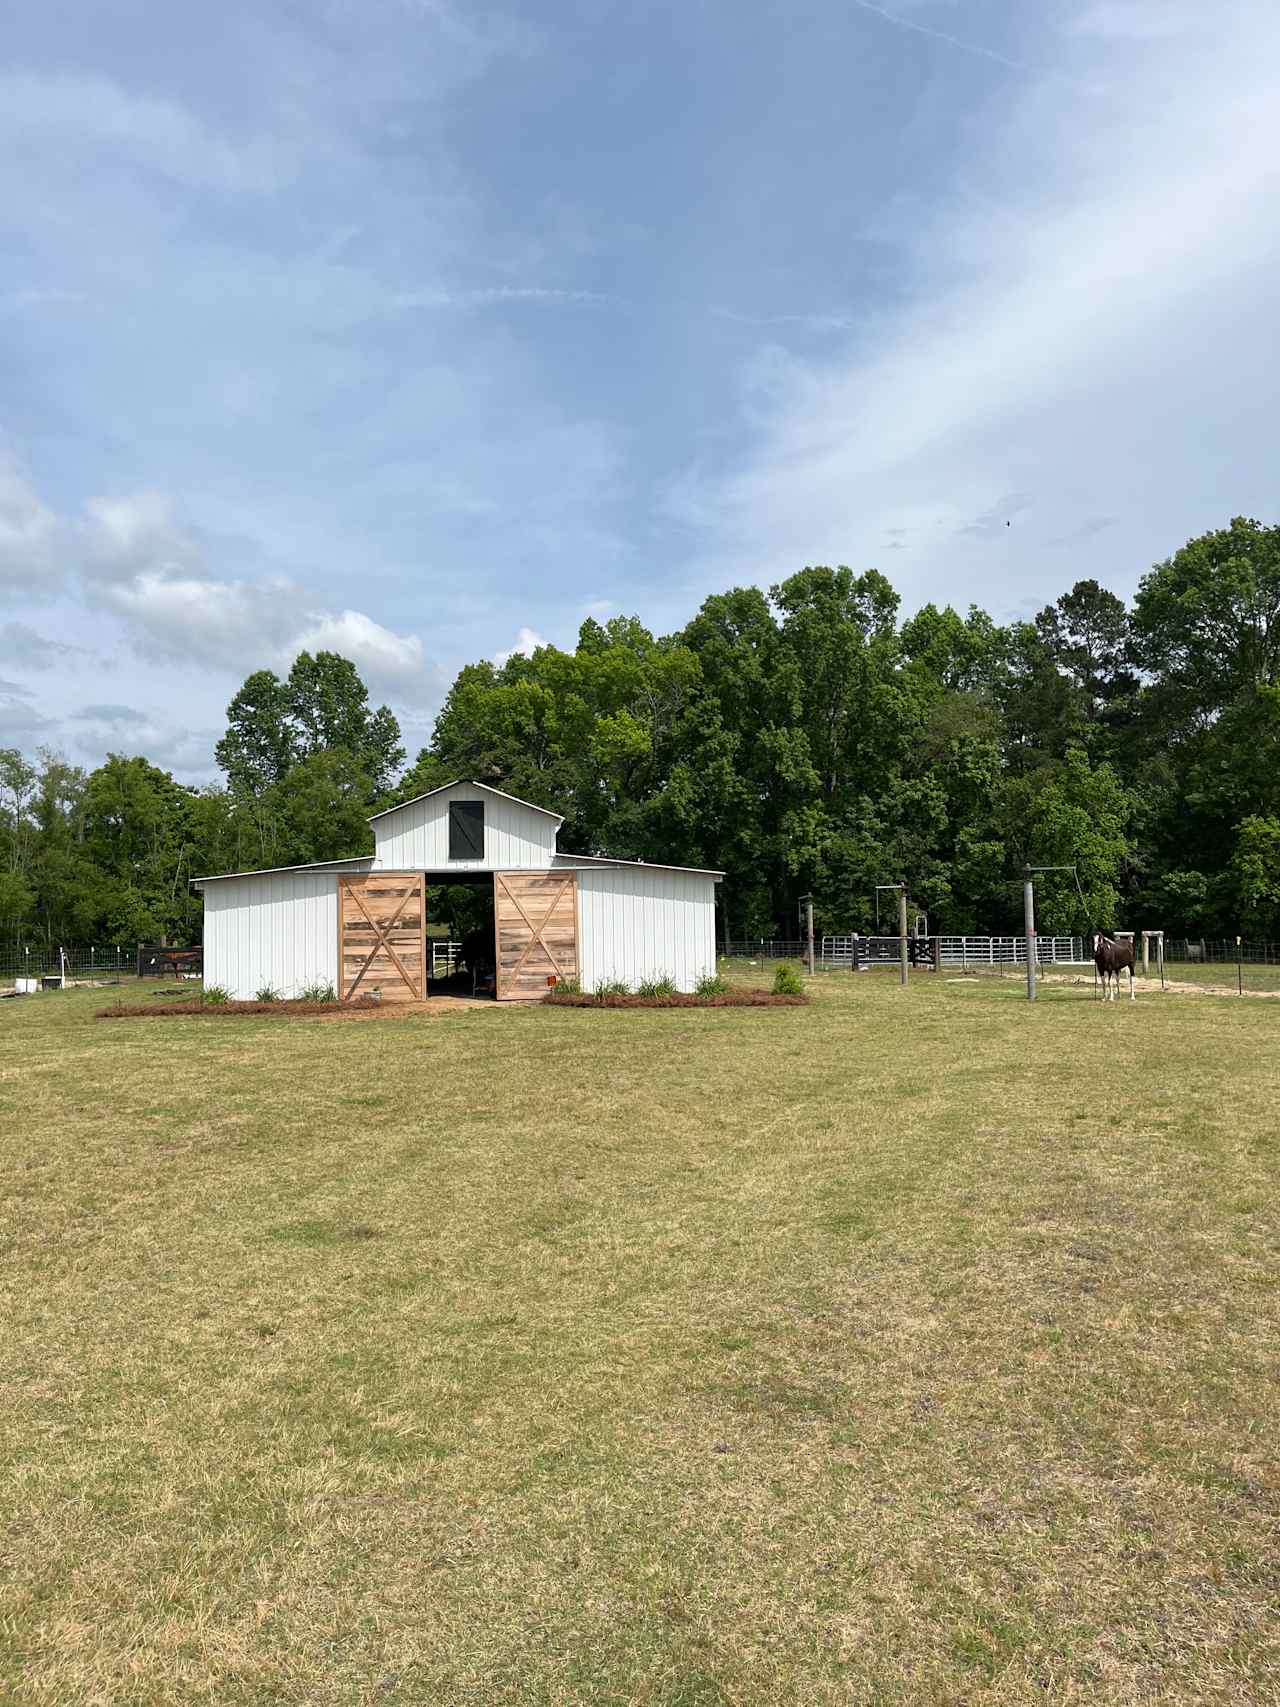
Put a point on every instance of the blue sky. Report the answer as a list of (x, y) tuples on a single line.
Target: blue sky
[(420, 330)]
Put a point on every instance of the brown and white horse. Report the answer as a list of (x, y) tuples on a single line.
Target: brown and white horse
[(1111, 957)]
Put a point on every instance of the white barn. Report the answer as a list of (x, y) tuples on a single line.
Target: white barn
[(360, 924)]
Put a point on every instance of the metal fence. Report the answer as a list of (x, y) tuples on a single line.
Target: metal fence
[(842, 951), (445, 954), (1222, 951), (38, 960)]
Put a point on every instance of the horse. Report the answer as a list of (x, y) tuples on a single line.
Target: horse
[(1111, 957)]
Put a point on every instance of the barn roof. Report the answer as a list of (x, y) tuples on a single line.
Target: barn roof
[(584, 860), (463, 782), (275, 870)]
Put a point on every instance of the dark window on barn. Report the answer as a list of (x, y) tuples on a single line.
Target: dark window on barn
[(466, 829)]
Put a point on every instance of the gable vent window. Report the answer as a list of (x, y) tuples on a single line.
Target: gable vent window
[(466, 829)]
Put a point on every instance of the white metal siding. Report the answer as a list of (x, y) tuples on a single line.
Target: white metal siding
[(280, 930), (638, 922), (417, 837)]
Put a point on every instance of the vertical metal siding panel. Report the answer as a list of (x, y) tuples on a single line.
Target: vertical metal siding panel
[(280, 930), (243, 944), (648, 922), (284, 946), (214, 933), (418, 839), (298, 941), (669, 925), (244, 921), (261, 935), (641, 923)]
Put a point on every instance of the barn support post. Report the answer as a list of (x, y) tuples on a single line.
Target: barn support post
[(1029, 925), (903, 958)]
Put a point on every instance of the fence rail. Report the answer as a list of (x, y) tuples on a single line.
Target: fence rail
[(841, 951), (40, 961), (1221, 951)]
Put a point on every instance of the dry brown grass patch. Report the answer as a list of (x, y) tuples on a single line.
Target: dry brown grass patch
[(917, 1349)]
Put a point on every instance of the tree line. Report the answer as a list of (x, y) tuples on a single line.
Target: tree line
[(807, 740)]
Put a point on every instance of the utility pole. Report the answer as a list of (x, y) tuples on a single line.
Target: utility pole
[(1029, 921), (808, 931), (902, 931)]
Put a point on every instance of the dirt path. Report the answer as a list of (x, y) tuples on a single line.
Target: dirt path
[(1152, 986)]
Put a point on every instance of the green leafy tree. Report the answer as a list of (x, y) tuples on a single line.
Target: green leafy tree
[(1078, 815), (1206, 623), (1086, 634), (321, 706), (1255, 872), (260, 744)]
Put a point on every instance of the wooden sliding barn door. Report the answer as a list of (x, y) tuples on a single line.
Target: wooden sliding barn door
[(536, 923), (382, 936)]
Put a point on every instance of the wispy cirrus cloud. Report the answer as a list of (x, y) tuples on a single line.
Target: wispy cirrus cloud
[(93, 113), (1036, 357), (902, 21)]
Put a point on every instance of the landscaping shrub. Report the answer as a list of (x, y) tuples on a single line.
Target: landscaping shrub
[(215, 995), (318, 992), (787, 981), (612, 987), (711, 984), (663, 986), (268, 993)]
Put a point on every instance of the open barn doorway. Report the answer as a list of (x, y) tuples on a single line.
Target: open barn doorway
[(462, 909)]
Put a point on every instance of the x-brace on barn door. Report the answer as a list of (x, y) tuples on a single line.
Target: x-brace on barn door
[(536, 925), (382, 926)]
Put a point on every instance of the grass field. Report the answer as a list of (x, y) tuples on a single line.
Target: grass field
[(914, 1347)]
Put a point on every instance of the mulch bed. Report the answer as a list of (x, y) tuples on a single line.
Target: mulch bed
[(221, 1010), (733, 999)]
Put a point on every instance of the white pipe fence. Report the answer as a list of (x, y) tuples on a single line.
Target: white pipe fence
[(838, 951)]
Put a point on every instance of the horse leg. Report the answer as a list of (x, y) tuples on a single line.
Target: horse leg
[(1132, 996)]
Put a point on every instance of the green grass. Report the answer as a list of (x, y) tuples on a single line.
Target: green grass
[(1221, 974), (911, 1347)]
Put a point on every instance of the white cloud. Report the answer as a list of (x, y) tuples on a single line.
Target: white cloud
[(527, 643), (495, 295), (49, 296), (102, 729), (135, 560), (20, 722), (383, 658), (152, 574), (1078, 330), (28, 534), (1132, 20), (124, 715), (187, 618), (22, 648), (972, 47), (86, 111)]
